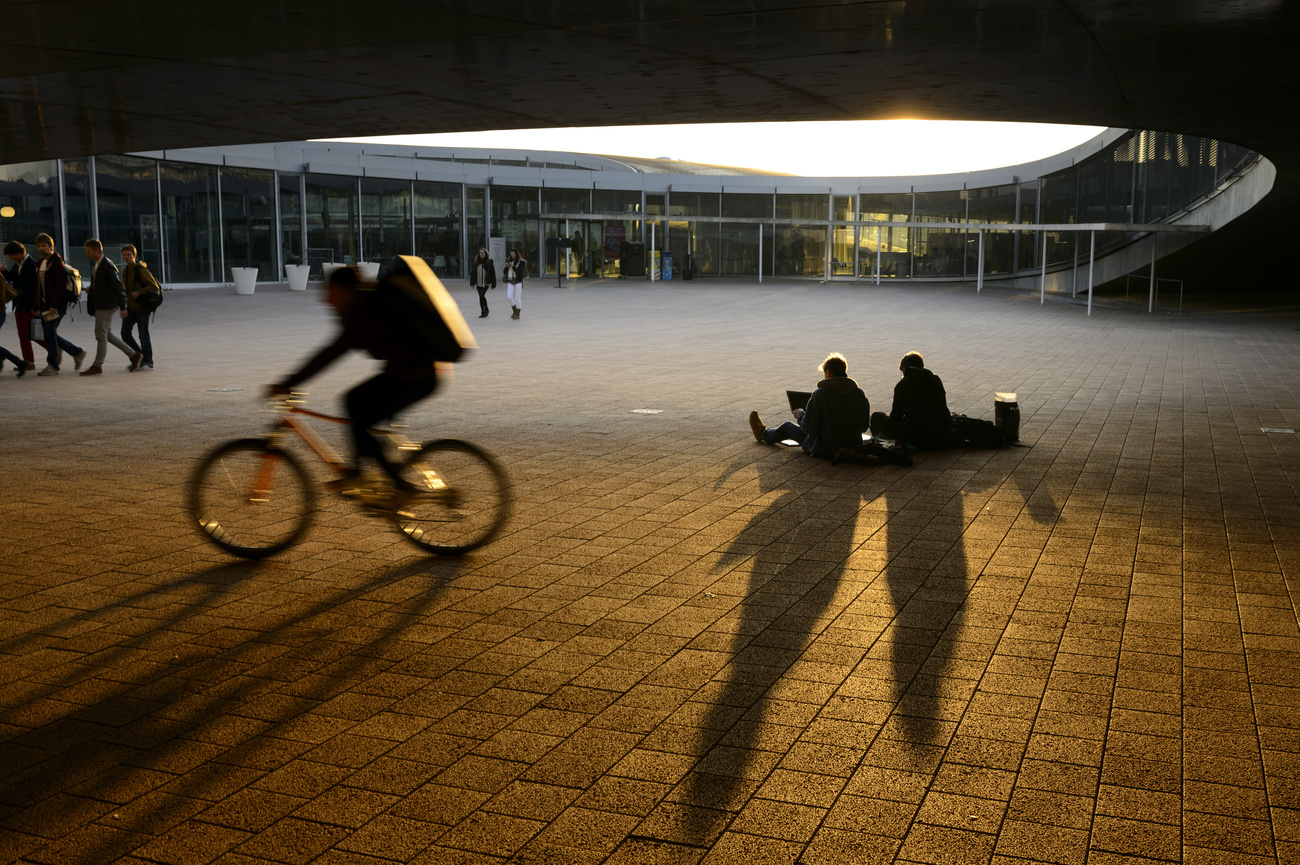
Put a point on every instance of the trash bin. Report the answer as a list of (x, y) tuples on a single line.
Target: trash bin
[(1006, 415), (667, 265)]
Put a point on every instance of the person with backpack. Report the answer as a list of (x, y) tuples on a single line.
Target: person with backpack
[(516, 270), (482, 275), (835, 418), (919, 416), (143, 296), (107, 295), (409, 375), (51, 304)]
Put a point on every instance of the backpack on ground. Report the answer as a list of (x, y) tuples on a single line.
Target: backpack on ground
[(971, 432), (415, 296)]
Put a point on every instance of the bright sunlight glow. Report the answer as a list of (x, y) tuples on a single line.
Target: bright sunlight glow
[(861, 148)]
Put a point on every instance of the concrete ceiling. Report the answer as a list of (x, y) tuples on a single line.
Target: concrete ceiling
[(83, 76)]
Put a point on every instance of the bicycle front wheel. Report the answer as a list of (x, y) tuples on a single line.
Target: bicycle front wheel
[(251, 499), (461, 501)]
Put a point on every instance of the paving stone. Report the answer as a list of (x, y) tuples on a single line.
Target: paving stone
[(686, 647)]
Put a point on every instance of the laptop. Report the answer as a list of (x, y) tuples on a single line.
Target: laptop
[(798, 399)]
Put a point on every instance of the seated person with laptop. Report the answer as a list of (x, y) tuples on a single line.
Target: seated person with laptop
[(835, 416)]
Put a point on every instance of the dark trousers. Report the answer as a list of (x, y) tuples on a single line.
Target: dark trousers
[(53, 342), (376, 400), (6, 353), (482, 297), (788, 430), (138, 318)]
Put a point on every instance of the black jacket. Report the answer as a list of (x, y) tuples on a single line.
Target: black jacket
[(921, 408), (22, 276), (491, 274), (106, 290), (837, 415), (369, 325)]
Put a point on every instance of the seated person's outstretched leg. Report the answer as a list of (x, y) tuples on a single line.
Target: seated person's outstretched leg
[(787, 430)]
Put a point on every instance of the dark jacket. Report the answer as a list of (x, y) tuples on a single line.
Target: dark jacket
[(921, 409), (106, 289), (137, 278), (837, 415), (491, 274), (54, 294), (22, 276), (515, 270), (369, 326)]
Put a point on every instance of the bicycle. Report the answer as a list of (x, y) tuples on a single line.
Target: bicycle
[(254, 498)]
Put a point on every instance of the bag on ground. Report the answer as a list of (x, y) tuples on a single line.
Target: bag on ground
[(971, 432), (871, 454)]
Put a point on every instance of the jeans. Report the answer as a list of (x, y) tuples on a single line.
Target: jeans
[(23, 321), (138, 318), (104, 335), (515, 294), (54, 342), (379, 399), (482, 298), (787, 430)]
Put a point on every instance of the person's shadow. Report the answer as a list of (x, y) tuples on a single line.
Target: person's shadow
[(880, 554)]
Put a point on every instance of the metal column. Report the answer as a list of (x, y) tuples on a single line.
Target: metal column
[(1092, 255), (1042, 285), (1151, 294), (979, 242)]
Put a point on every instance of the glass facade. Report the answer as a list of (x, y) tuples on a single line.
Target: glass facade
[(127, 191), (248, 217), (193, 222), (31, 189), (330, 209)]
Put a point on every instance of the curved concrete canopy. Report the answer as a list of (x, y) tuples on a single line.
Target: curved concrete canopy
[(85, 76)]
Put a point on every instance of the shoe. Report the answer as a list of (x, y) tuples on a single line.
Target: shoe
[(514, 314), (350, 484), (23, 367), (94, 370), (756, 426), (135, 361), (145, 366), (483, 314), (49, 370), (78, 359)]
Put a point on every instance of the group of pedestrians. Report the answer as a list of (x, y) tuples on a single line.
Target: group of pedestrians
[(838, 412), (483, 276), (43, 292)]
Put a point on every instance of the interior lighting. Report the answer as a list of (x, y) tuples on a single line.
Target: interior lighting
[(7, 211)]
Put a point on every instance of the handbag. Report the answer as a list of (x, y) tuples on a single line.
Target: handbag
[(37, 328)]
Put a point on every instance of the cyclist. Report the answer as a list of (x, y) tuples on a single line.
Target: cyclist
[(409, 375)]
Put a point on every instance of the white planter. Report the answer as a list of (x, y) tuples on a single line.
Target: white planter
[(329, 267), (245, 279), (368, 271), (297, 276)]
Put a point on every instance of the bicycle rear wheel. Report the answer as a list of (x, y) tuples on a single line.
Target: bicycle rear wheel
[(461, 503), (251, 498)]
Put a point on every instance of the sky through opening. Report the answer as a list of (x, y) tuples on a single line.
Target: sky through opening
[(858, 148)]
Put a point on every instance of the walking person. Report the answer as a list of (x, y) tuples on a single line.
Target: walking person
[(22, 276), (107, 296), (6, 354), (482, 275), (516, 269), (137, 279), (51, 304)]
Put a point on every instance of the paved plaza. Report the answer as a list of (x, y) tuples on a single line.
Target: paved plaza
[(687, 647)]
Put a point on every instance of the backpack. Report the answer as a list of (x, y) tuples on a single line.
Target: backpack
[(73, 286), (149, 300), (972, 432), (412, 294), (871, 454)]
